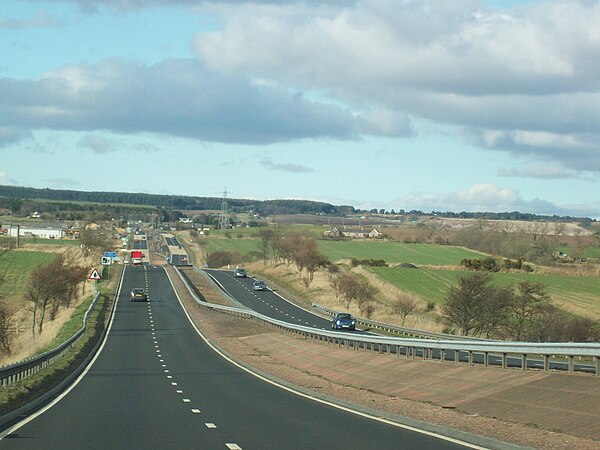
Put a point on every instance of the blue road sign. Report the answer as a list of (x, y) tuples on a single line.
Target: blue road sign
[(110, 254)]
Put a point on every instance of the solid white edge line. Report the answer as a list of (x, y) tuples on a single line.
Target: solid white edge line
[(316, 399), (41, 411)]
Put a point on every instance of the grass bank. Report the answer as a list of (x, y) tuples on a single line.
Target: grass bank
[(579, 295)]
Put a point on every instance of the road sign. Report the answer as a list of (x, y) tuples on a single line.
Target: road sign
[(94, 275), (106, 260), (110, 254)]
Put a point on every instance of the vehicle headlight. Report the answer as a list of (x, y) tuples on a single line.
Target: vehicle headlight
[(353, 322), (338, 322)]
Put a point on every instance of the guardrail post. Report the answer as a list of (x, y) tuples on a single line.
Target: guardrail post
[(456, 356), (546, 363), (570, 363), (504, 360), (442, 355), (523, 361), (597, 359), (470, 357), (486, 359)]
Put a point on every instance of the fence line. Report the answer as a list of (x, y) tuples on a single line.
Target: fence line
[(472, 351)]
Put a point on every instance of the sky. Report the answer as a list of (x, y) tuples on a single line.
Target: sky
[(438, 105)]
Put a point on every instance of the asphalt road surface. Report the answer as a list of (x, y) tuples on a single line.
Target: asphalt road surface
[(157, 385), (267, 302), (271, 305)]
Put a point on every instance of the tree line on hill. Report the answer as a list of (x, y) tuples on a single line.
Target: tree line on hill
[(11, 195)]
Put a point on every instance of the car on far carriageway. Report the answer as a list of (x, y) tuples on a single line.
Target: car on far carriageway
[(259, 286), (240, 273), (139, 295), (343, 321)]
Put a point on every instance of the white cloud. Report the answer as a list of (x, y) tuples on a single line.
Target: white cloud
[(179, 98), (9, 134), (6, 179), (486, 197), (538, 170), (98, 144), (528, 73), (286, 167), (41, 19)]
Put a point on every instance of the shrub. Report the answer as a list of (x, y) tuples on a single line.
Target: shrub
[(220, 259), (368, 262)]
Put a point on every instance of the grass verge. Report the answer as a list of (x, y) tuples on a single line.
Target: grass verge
[(19, 394)]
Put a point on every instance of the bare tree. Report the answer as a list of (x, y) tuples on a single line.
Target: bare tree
[(539, 230), (367, 309), (404, 306), (52, 286), (6, 316), (266, 242), (528, 304), (465, 302), (91, 240)]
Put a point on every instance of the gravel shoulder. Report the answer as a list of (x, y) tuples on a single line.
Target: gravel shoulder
[(528, 408)]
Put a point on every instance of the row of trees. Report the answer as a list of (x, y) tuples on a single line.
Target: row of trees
[(490, 265), (51, 287), (293, 248), (476, 306), (349, 289), (6, 314)]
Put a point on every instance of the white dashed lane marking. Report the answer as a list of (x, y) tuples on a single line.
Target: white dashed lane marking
[(186, 400), (233, 447), (210, 425)]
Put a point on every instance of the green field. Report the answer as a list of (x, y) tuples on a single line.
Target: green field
[(71, 242), (580, 294), (15, 267), (587, 252), (241, 246), (391, 252), (395, 252)]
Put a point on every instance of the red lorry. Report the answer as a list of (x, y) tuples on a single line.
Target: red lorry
[(136, 258)]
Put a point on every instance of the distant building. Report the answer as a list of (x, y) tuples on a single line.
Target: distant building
[(336, 233), (35, 231)]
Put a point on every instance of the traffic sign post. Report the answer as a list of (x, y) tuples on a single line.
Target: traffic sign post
[(94, 276), (106, 262)]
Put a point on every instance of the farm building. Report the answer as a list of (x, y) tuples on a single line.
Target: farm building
[(37, 231), (352, 233)]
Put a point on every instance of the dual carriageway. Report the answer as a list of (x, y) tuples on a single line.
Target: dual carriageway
[(157, 383)]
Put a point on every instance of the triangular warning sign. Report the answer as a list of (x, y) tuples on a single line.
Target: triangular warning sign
[(94, 275)]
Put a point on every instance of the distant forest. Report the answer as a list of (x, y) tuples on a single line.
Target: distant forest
[(11, 197)]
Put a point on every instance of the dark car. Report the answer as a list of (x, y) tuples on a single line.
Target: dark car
[(240, 273), (139, 295), (343, 321), (259, 286)]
